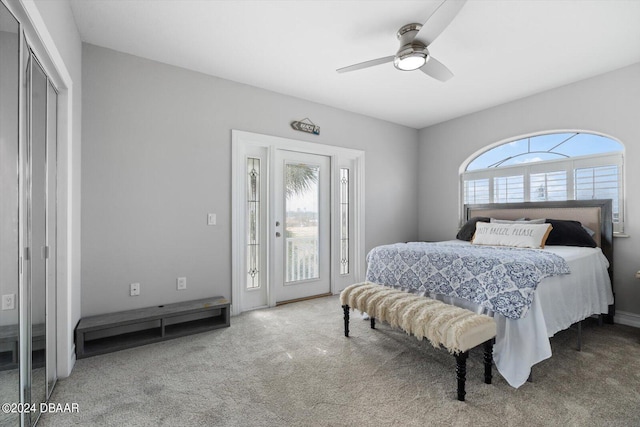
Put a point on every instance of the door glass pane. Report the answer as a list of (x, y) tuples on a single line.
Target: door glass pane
[(301, 222), (9, 227), (253, 223)]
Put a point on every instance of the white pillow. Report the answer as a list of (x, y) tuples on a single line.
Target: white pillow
[(517, 235), (519, 221)]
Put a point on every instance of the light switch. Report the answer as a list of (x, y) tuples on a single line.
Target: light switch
[(211, 219)]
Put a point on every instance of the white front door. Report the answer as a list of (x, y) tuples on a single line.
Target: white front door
[(299, 236), (302, 226)]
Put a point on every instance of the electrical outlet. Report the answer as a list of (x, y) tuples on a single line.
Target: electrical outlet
[(134, 289), (9, 301), (181, 283)]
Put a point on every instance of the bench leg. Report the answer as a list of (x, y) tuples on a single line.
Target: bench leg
[(580, 335), (461, 373), (345, 308), (488, 361), (373, 323)]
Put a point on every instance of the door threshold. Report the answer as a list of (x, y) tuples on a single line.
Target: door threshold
[(328, 294)]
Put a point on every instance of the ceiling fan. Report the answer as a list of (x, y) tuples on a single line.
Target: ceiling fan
[(414, 40)]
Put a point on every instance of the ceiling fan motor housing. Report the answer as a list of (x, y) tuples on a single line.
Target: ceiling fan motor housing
[(412, 53)]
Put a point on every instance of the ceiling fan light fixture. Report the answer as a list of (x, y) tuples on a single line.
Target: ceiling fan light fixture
[(410, 62), (411, 57)]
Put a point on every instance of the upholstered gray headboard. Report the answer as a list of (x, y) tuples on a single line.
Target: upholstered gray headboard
[(595, 214)]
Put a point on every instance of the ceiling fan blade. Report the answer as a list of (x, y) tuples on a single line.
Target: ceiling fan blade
[(436, 69), (439, 20), (366, 64)]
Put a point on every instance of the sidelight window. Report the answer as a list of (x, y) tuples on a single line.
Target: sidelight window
[(253, 223), (344, 221)]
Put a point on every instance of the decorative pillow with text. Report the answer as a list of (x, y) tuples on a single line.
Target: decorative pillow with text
[(517, 235)]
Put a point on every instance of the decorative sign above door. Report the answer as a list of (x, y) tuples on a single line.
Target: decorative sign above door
[(306, 125)]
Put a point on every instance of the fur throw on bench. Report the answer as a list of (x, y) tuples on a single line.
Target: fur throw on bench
[(457, 329)]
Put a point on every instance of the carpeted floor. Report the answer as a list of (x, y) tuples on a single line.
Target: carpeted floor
[(292, 366)]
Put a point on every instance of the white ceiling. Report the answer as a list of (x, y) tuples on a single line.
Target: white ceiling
[(499, 50)]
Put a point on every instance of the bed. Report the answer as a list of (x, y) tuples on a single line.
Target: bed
[(575, 288)]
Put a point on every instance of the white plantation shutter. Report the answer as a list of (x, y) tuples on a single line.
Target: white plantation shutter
[(477, 191), (547, 186), (508, 189), (598, 183)]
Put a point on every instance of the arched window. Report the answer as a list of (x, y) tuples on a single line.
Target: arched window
[(555, 166)]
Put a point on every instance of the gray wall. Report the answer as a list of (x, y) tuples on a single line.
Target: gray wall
[(608, 104), (157, 157)]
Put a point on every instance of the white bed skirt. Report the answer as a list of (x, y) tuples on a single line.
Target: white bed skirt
[(559, 302)]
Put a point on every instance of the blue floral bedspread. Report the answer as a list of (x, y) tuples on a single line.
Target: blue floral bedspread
[(500, 279)]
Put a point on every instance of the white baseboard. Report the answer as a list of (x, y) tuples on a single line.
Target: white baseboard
[(65, 370), (626, 318)]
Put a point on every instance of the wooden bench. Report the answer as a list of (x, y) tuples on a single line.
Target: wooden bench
[(125, 329), (454, 328)]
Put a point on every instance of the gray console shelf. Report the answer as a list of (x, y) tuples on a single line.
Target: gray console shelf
[(125, 329)]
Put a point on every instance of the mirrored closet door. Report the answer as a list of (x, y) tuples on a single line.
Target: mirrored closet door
[(28, 194), (9, 214), (39, 235)]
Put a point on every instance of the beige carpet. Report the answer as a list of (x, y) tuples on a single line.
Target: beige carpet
[(292, 366)]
